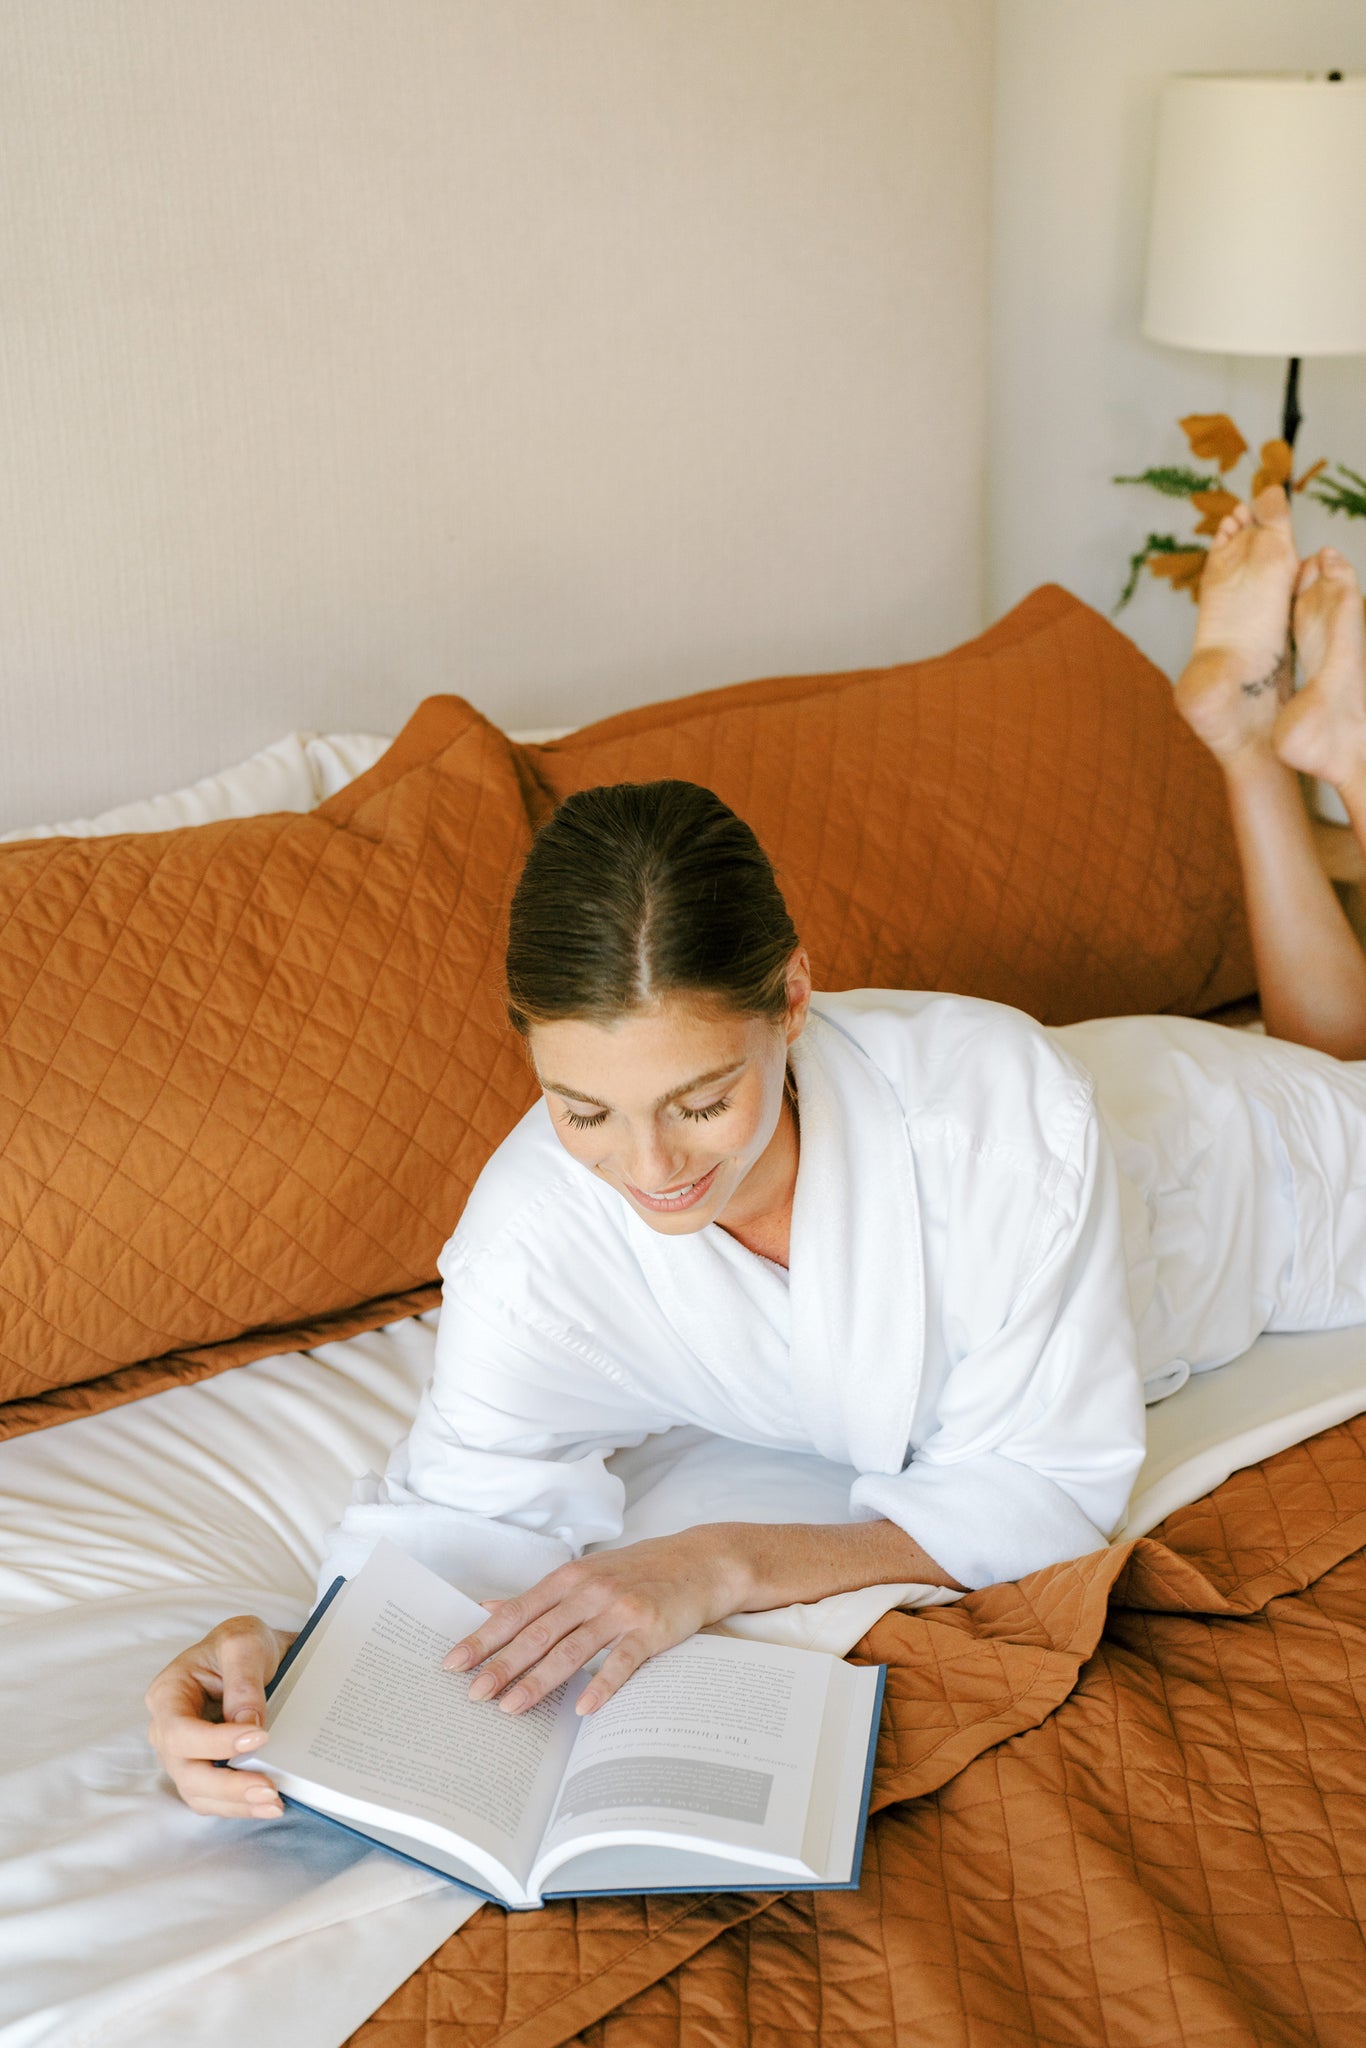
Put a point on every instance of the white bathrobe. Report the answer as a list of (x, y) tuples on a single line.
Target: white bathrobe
[(999, 1233)]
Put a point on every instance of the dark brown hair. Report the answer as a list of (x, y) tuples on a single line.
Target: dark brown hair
[(639, 890)]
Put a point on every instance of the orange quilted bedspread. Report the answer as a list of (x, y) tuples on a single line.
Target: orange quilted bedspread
[(1122, 1802)]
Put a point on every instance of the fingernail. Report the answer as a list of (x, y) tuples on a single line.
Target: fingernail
[(252, 1741), (248, 1714), (587, 1703), (262, 1795), (513, 1702), (456, 1659), (484, 1686)]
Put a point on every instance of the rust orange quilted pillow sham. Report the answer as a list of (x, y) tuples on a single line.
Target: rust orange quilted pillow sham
[(1024, 818), (249, 1071)]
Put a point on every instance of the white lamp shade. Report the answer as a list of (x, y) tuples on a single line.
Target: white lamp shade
[(1257, 243)]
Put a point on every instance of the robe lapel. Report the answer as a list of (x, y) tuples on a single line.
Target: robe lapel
[(732, 1313), (857, 1269)]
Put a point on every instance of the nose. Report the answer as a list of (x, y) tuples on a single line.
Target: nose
[(652, 1161)]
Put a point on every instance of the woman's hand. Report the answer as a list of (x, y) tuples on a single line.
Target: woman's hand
[(648, 1596), (224, 1676), (633, 1602)]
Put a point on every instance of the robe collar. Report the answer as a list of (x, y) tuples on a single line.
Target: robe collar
[(857, 1258), (856, 1270)]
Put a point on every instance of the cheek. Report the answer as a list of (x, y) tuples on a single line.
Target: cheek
[(748, 1132), (585, 1146)]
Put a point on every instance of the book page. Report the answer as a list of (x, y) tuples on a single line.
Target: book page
[(715, 1741), (373, 1718)]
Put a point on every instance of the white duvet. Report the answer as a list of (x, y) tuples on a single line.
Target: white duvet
[(126, 1921)]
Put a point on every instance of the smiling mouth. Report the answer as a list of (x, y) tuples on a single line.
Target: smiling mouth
[(676, 1198)]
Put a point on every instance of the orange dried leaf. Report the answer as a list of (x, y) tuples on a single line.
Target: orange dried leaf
[(1315, 469), (1277, 462), (1213, 437), (1214, 506), (1183, 569)]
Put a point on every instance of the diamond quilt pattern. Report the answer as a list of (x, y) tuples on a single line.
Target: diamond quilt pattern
[(249, 1071), (1121, 1803), (1023, 819)]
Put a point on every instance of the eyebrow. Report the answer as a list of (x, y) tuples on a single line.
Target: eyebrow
[(698, 1081)]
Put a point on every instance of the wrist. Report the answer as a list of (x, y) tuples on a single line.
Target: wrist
[(733, 1568)]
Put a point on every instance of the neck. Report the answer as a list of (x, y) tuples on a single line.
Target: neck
[(760, 1215)]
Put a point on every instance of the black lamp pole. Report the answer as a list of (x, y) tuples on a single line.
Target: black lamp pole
[(1290, 412)]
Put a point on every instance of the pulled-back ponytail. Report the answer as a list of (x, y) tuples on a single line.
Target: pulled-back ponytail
[(640, 890)]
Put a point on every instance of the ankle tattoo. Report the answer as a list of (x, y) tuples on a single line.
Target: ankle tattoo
[(1280, 677)]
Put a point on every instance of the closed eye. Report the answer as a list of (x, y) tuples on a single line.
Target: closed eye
[(588, 1123), (712, 1109)]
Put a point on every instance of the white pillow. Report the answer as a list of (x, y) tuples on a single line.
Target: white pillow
[(297, 772), (294, 774)]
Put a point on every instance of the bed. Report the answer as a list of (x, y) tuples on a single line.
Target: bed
[(1120, 1801), (127, 1920)]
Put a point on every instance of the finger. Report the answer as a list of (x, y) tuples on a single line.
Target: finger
[(247, 1657), (239, 1791), (500, 1628), (184, 1738), (222, 1809), (528, 1648), (177, 1689), (628, 1656), (569, 1655)]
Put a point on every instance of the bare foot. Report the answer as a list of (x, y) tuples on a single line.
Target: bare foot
[(1242, 667), (1322, 730)]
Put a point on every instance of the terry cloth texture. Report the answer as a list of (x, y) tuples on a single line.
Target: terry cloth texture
[(250, 1070), (1121, 1802)]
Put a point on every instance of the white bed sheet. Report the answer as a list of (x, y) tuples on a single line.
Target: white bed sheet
[(126, 1919)]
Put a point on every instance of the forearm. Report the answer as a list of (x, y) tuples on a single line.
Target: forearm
[(773, 1564), (1310, 970)]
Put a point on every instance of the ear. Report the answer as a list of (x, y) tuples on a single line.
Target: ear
[(798, 993)]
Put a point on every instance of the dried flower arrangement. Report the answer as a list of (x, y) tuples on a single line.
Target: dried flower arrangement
[(1214, 438)]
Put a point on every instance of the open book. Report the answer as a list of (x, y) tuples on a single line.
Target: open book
[(720, 1765)]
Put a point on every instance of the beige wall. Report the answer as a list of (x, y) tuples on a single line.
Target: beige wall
[(1076, 394), (559, 352)]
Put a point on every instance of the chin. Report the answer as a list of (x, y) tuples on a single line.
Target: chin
[(682, 1224)]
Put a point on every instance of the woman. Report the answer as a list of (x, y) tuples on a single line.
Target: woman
[(916, 1234)]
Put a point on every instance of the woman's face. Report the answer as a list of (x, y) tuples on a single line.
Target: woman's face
[(678, 1107)]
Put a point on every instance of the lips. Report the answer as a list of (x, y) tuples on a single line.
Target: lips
[(682, 1198)]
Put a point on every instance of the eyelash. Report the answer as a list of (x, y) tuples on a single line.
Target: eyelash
[(589, 1123)]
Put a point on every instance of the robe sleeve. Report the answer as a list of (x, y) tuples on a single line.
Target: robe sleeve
[(1040, 1429), (503, 1475)]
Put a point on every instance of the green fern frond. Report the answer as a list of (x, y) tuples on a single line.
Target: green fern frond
[(1155, 544), (1173, 481), (1337, 496)]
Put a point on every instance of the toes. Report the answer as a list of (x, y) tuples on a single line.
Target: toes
[(1271, 507), (1308, 576)]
